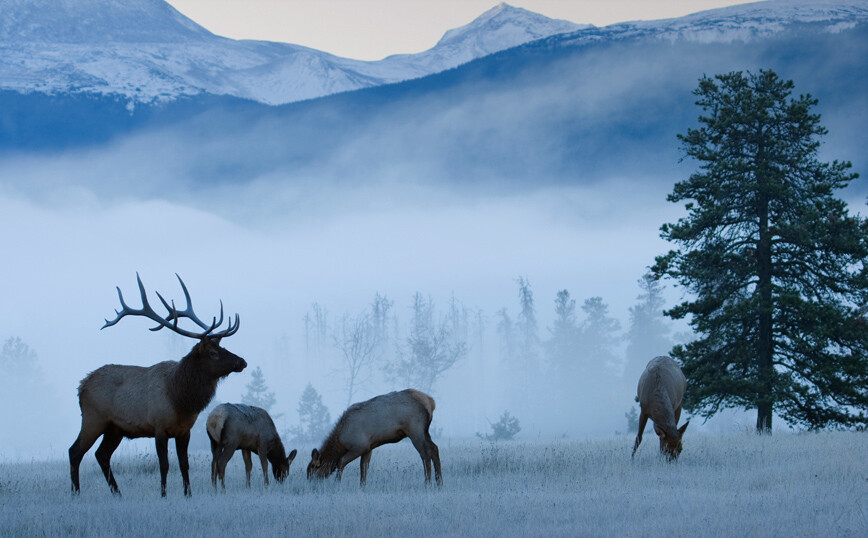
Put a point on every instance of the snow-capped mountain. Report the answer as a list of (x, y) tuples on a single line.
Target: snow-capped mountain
[(146, 51), (741, 23)]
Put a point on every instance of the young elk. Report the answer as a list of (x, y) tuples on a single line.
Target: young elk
[(661, 390), (365, 426), (238, 426), (161, 401)]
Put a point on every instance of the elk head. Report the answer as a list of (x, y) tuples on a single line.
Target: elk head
[(670, 443), (281, 470), (317, 468), (207, 355)]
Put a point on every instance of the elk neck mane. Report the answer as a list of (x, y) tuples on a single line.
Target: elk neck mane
[(190, 389), (276, 452), (332, 449)]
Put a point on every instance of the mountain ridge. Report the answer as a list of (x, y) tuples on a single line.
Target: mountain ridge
[(149, 52)]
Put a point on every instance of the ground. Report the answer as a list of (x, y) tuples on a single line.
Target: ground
[(735, 484)]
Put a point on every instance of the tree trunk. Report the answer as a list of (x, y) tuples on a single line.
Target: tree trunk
[(764, 418), (765, 345)]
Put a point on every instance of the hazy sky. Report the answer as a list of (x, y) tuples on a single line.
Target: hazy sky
[(373, 29)]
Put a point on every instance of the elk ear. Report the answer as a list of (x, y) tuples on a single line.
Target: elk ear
[(314, 455), (291, 456), (682, 428)]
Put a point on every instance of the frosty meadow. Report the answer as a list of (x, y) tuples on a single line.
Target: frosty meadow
[(735, 484)]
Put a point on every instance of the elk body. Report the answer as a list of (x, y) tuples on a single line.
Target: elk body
[(661, 391), (237, 426), (383, 419), (161, 401)]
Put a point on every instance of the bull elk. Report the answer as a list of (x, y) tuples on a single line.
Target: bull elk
[(661, 391), (161, 401), (249, 428), (383, 419)]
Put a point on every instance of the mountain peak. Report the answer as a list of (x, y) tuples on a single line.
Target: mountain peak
[(505, 26)]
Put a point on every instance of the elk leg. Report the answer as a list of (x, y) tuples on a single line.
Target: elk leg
[(182, 442), (347, 458), (421, 445), (86, 438), (365, 461), (643, 420), (215, 450), (248, 464), (162, 442), (110, 441), (263, 460), (434, 454), (222, 460)]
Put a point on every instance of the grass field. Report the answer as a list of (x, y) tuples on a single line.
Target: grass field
[(735, 484)]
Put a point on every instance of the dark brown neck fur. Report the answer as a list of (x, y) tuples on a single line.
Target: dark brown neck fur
[(276, 453), (191, 389), (331, 451)]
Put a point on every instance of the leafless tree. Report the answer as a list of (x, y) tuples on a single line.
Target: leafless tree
[(358, 342)]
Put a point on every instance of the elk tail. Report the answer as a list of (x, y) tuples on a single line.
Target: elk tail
[(214, 424), (425, 400)]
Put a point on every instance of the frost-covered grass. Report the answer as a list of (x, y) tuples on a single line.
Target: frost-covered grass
[(723, 485)]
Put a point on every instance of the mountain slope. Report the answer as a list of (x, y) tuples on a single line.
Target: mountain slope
[(575, 108), (144, 51)]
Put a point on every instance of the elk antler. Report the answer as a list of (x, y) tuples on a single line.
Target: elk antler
[(171, 321)]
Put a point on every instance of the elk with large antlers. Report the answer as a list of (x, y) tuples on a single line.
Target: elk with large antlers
[(161, 401)]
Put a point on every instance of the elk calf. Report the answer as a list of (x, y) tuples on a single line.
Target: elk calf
[(365, 426), (237, 426), (161, 401), (661, 390)]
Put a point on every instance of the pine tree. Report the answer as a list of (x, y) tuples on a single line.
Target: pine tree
[(257, 391), (506, 333), (562, 347), (775, 264), (598, 337), (527, 326), (648, 335), (315, 421)]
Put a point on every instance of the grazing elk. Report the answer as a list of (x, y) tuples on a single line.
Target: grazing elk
[(237, 426), (365, 426), (161, 401), (661, 390)]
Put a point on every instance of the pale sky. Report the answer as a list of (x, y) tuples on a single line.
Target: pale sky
[(374, 29)]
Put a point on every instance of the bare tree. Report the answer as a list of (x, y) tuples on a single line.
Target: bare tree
[(430, 350), (315, 330), (357, 338)]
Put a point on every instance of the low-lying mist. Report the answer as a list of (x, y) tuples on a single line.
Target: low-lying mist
[(457, 188), (271, 260)]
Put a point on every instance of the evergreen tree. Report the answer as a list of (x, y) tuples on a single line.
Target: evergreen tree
[(19, 363), (598, 335), (504, 429), (562, 347), (257, 391), (527, 326), (775, 264), (648, 335), (315, 421), (506, 333)]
